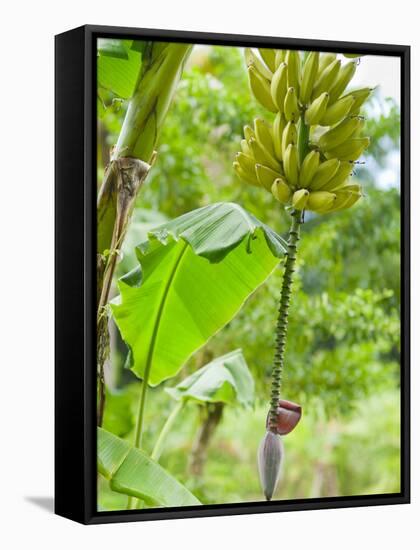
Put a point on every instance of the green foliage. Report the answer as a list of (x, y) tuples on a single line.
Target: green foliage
[(226, 380), (118, 67), (190, 270)]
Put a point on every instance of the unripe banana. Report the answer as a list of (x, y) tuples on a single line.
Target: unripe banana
[(266, 176), (280, 57), (279, 125), (281, 191), (300, 198), (337, 135), (353, 55), (349, 150), (291, 165), (360, 96), (290, 136), (324, 173), (338, 180), (261, 89), (345, 200), (245, 176), (248, 132), (245, 147), (262, 156), (327, 78), (320, 201), (309, 167), (279, 86), (316, 109), (254, 60), (338, 110), (293, 69), (291, 107), (325, 59), (309, 74), (353, 187), (263, 135), (246, 162), (269, 57), (344, 76)]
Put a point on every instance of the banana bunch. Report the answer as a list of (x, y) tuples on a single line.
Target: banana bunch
[(306, 157)]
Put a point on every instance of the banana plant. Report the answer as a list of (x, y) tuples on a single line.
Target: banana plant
[(147, 73), (305, 160)]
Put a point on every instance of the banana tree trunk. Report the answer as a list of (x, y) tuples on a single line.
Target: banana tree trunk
[(131, 160)]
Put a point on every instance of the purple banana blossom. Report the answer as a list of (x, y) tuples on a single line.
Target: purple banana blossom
[(270, 455), (288, 415)]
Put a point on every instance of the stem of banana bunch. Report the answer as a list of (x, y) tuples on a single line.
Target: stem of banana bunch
[(286, 290)]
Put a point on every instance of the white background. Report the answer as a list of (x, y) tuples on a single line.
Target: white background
[(26, 203)]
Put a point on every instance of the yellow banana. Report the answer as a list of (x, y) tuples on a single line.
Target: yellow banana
[(327, 78), (293, 69), (260, 87), (252, 59), (279, 86), (340, 133), (349, 150), (324, 173), (279, 125), (316, 109), (309, 167), (291, 107), (245, 176), (300, 198), (269, 57), (325, 59), (262, 156), (338, 180), (281, 191), (263, 135), (309, 73), (266, 176), (338, 110), (344, 76), (291, 165), (320, 201), (289, 136)]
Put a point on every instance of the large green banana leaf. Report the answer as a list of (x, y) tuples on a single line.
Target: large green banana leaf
[(196, 272), (226, 379), (131, 472), (118, 66)]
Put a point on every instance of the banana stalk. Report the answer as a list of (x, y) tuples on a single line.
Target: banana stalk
[(130, 163)]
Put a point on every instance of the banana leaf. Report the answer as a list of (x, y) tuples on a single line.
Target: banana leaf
[(196, 273), (118, 67), (226, 379), (131, 472)]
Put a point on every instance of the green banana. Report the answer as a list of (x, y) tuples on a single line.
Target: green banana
[(360, 96), (344, 76), (291, 165), (255, 61), (248, 132), (291, 107), (300, 198), (263, 135), (279, 86), (266, 176), (316, 109), (309, 74), (293, 69), (309, 167), (349, 150), (246, 162), (281, 191), (269, 57), (279, 125), (280, 56), (245, 147), (245, 176), (338, 180), (353, 55), (324, 173), (344, 200), (320, 201), (325, 59), (327, 78), (262, 156), (261, 89), (290, 136), (338, 110), (340, 133)]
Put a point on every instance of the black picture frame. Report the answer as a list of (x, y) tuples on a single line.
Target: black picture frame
[(75, 268)]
